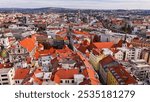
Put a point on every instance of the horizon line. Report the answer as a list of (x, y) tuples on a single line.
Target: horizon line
[(74, 8)]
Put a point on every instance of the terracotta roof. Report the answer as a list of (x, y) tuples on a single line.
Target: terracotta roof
[(85, 61), (121, 42), (107, 60), (90, 73), (65, 38), (97, 51), (47, 52), (21, 73), (37, 80), (114, 50), (82, 49), (80, 32), (85, 42), (64, 31), (6, 65), (44, 52), (28, 43), (123, 75), (65, 74), (101, 45)]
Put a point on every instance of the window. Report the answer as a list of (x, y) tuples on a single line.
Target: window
[(5, 83), (61, 81), (5, 79), (17, 82), (18, 50), (72, 81), (4, 75), (66, 81)]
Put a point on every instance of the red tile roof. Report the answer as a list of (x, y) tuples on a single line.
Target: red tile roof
[(123, 75), (21, 73), (121, 42), (90, 73), (65, 74), (6, 65), (80, 32), (97, 51), (35, 79), (85, 42), (28, 43), (107, 60), (101, 45), (82, 49), (44, 52), (64, 31)]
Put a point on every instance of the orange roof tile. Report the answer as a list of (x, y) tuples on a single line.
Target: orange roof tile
[(65, 74), (82, 49), (90, 73), (62, 32), (6, 65), (107, 60), (85, 42), (80, 32), (37, 80), (21, 73), (47, 52), (121, 42), (104, 44), (28, 43), (101, 45), (123, 74)]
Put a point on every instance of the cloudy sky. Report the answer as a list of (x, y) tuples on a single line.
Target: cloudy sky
[(85, 4)]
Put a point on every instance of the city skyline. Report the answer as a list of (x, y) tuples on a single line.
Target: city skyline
[(77, 4)]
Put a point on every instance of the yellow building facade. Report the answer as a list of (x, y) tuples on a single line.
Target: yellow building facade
[(111, 80), (94, 60)]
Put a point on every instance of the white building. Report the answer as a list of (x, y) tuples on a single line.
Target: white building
[(108, 36), (6, 76), (4, 41), (126, 54), (140, 69)]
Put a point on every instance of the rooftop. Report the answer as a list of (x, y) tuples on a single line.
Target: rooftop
[(21, 73), (122, 76)]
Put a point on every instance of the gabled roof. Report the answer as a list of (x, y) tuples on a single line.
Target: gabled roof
[(101, 45), (21, 73), (119, 44), (28, 43)]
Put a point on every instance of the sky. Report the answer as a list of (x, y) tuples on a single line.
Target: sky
[(79, 4)]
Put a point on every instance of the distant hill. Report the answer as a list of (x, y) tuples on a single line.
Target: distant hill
[(66, 10), (37, 10)]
